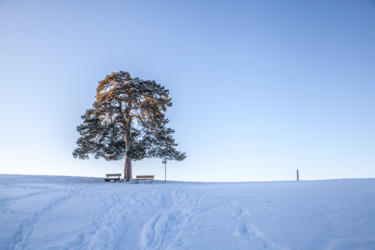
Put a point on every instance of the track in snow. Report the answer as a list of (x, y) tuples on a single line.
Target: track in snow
[(85, 213)]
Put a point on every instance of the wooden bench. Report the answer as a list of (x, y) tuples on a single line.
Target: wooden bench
[(112, 177), (144, 177)]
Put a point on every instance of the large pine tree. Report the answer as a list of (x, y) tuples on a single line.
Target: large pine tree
[(127, 120)]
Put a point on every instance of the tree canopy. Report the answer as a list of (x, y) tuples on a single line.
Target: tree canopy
[(127, 120)]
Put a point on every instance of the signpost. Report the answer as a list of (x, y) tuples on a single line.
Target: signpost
[(165, 169)]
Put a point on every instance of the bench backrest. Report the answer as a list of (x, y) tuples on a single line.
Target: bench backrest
[(145, 176), (109, 175)]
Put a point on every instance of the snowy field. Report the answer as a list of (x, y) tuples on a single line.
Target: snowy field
[(48, 212)]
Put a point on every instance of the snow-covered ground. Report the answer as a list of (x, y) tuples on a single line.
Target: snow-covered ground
[(49, 212)]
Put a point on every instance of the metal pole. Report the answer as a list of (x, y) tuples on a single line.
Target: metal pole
[(165, 170)]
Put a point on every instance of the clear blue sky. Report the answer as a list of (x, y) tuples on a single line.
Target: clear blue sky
[(260, 88)]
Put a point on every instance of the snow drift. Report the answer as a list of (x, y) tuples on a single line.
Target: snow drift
[(42, 212)]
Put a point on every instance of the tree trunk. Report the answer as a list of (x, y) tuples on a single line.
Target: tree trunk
[(128, 162), (128, 168)]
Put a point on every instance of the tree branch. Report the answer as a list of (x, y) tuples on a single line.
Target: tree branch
[(143, 123)]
